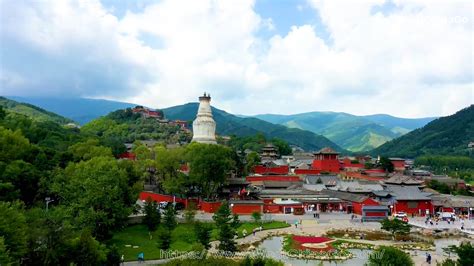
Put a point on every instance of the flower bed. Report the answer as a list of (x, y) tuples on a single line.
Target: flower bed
[(310, 247)]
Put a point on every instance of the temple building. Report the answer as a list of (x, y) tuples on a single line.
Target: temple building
[(204, 126)]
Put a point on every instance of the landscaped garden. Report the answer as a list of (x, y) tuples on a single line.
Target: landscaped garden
[(135, 239), (312, 247)]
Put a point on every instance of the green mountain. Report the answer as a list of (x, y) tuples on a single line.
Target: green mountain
[(78, 109), (354, 133), (448, 135), (228, 124), (34, 112)]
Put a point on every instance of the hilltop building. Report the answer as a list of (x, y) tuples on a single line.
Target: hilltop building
[(204, 126)]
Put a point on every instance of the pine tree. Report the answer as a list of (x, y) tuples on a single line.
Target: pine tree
[(169, 220), (152, 215), (227, 224)]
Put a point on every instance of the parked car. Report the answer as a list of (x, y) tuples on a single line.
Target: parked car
[(446, 215), (401, 215), (177, 205)]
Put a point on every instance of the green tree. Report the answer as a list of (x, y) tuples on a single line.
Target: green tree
[(50, 236), (5, 258), (203, 233), (384, 255), (167, 164), (98, 193), (13, 144), (465, 252), (169, 219), (386, 164), (113, 256), (253, 159), (227, 224), (164, 238), (283, 146), (24, 178), (395, 227), (209, 166), (87, 250), (152, 217), (257, 217), (88, 149), (13, 230), (190, 212)]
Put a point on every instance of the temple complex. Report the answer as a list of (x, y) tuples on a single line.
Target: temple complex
[(204, 126)]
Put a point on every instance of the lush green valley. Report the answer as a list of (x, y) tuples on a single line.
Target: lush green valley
[(354, 133)]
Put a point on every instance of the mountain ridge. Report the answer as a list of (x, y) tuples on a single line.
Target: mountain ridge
[(447, 135), (36, 113), (355, 133), (229, 124)]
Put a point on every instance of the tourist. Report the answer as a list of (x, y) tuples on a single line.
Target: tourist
[(428, 258), (141, 257), (254, 232), (244, 233), (122, 260)]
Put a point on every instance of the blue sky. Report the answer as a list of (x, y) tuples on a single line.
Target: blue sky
[(409, 58)]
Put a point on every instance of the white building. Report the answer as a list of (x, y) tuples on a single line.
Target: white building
[(204, 126)]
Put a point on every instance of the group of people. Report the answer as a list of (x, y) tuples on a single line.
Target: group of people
[(258, 229), (449, 220)]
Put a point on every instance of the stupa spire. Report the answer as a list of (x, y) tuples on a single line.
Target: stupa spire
[(204, 126)]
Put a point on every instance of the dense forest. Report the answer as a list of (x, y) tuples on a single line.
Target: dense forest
[(448, 135), (63, 192)]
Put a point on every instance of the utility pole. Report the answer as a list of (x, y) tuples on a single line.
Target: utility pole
[(48, 200)]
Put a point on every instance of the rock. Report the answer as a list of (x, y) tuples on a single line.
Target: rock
[(346, 235), (128, 246), (135, 246)]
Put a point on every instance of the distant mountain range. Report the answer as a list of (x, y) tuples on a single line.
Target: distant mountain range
[(78, 109), (86, 110), (34, 112), (339, 130), (354, 133), (228, 124), (448, 135)]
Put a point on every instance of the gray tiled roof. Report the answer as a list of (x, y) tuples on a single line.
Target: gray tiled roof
[(407, 193), (317, 187), (328, 180), (345, 195), (355, 186), (402, 179)]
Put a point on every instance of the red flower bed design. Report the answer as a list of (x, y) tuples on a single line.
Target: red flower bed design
[(311, 243), (311, 239)]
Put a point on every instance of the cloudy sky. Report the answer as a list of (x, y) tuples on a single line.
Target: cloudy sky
[(409, 58)]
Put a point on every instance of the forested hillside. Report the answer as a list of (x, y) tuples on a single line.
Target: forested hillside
[(123, 126), (34, 112), (81, 110), (448, 135)]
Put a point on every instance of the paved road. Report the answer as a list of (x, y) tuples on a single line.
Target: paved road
[(420, 222)]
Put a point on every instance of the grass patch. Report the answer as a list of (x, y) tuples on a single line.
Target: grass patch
[(249, 226), (183, 238)]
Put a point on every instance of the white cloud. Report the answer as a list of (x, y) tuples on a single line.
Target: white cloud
[(416, 60)]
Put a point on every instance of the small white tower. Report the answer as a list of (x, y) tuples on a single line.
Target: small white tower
[(204, 126)]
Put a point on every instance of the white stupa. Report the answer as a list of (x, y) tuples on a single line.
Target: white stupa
[(204, 126)]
